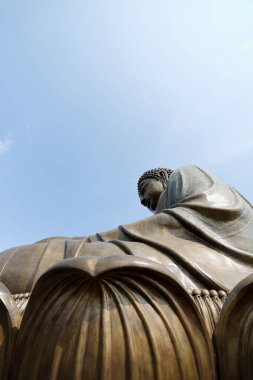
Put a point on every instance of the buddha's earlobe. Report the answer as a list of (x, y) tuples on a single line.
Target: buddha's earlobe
[(164, 175), (164, 178)]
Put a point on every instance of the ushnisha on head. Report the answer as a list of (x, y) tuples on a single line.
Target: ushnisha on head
[(150, 186)]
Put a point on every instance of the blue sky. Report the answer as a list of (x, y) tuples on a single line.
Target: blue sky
[(93, 93)]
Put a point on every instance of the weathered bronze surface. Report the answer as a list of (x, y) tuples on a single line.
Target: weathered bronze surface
[(234, 333), (111, 318), (10, 319), (141, 301)]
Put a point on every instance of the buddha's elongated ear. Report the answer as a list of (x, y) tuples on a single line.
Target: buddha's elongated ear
[(164, 174), (164, 177)]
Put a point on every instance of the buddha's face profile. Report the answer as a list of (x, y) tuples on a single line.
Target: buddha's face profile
[(150, 191)]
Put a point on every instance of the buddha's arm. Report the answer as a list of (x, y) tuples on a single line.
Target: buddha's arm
[(59, 238), (102, 236)]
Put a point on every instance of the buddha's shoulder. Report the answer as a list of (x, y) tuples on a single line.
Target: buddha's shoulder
[(189, 169)]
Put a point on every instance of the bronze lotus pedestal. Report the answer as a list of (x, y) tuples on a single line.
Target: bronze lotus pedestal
[(124, 318)]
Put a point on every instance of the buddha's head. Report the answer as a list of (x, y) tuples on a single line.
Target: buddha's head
[(151, 185)]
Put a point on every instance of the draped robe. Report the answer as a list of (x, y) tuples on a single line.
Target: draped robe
[(202, 232)]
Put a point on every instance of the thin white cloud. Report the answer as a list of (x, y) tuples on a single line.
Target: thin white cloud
[(5, 145), (30, 125), (247, 45)]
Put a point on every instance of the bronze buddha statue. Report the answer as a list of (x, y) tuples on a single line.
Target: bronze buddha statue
[(201, 230), (199, 239)]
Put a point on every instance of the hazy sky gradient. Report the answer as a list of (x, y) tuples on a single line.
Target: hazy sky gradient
[(93, 93)]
